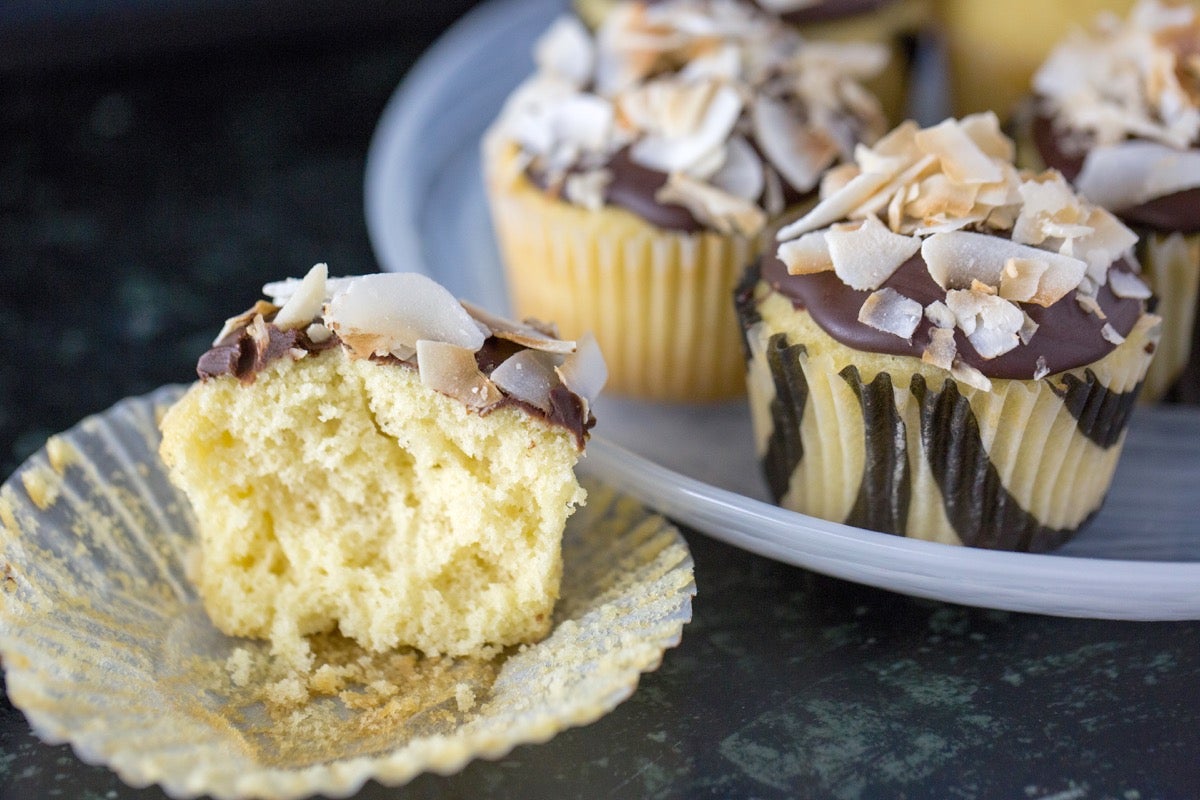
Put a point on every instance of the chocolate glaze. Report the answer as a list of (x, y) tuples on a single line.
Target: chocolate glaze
[(239, 354), (824, 10), (1178, 211), (1067, 336), (633, 187)]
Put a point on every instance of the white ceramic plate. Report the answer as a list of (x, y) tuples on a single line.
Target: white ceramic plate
[(1140, 558)]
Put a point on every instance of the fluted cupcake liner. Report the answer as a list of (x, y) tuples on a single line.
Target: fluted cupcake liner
[(1171, 265), (892, 444), (106, 645), (656, 300)]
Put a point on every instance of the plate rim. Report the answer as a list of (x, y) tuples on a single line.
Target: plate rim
[(915, 567)]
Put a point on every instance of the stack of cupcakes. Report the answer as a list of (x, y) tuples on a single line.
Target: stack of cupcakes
[(946, 348), (1116, 109), (630, 179)]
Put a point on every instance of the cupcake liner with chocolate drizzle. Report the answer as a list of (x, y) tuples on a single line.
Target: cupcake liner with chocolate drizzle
[(1021, 467)]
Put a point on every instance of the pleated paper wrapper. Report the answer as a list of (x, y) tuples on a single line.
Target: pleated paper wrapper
[(106, 645), (892, 444)]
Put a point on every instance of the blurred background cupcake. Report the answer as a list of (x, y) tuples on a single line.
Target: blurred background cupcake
[(993, 48), (630, 179), (894, 24), (1116, 109), (945, 348)]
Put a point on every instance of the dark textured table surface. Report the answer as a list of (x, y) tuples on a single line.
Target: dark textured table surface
[(146, 191)]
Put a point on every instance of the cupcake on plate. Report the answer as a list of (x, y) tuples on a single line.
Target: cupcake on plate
[(630, 179), (945, 348), (894, 24), (1116, 109), (993, 48)]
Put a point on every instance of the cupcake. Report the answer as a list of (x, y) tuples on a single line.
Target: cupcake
[(1116, 109), (894, 24), (373, 456), (992, 48), (945, 348), (630, 179)]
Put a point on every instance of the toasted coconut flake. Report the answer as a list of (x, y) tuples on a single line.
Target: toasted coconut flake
[(836, 206), (955, 259), (984, 130), (1109, 241), (453, 371), (938, 197), (800, 153), (1128, 285), (261, 309), (1110, 334), (527, 334), (725, 212), (940, 314), (960, 157), (990, 323), (317, 333), (305, 305), (1049, 210), (528, 376), (1028, 329), (584, 372), (866, 255), (1019, 278), (1040, 369), (741, 174), (965, 373), (942, 349), (1089, 304), (807, 255), (566, 50), (677, 141), (891, 312), (587, 188), (381, 313), (259, 333), (281, 291)]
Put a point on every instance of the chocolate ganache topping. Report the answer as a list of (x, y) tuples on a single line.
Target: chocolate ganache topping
[(934, 246), (1068, 335), (693, 114), (1116, 111), (406, 321)]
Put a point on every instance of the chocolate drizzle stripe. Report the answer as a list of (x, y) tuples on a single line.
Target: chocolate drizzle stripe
[(785, 448), (1102, 414), (886, 490), (745, 305), (979, 507)]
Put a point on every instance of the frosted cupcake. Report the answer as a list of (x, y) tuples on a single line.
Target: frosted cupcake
[(894, 24), (945, 348), (370, 455), (631, 177), (1117, 111)]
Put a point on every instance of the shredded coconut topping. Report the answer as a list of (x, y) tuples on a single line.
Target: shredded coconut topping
[(991, 236), (719, 95), (411, 317), (1126, 94)]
